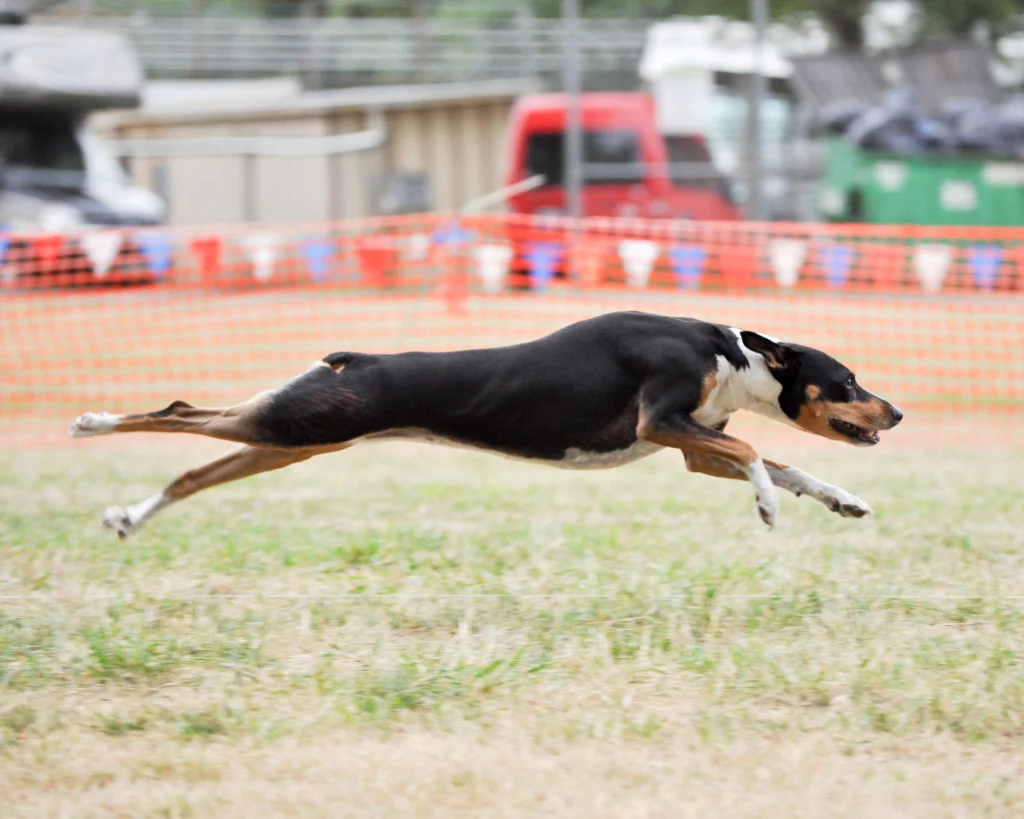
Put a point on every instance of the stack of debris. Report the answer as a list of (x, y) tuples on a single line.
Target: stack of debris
[(936, 98)]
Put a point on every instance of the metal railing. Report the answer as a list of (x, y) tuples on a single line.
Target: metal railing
[(367, 51)]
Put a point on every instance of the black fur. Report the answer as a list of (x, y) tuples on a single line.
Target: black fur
[(578, 387), (582, 387)]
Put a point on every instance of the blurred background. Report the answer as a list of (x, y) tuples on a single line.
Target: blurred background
[(139, 112)]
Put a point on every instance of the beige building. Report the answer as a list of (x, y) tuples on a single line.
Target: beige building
[(220, 158)]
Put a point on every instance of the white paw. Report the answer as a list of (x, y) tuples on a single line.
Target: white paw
[(118, 519), (768, 508), (767, 498), (844, 504), (94, 423)]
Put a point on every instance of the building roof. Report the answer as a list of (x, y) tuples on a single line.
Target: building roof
[(315, 103)]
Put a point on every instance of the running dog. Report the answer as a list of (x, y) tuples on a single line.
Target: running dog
[(599, 393)]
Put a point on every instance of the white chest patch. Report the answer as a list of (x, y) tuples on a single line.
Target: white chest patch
[(721, 401), (753, 388)]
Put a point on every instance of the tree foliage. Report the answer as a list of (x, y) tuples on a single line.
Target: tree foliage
[(842, 17), (960, 17)]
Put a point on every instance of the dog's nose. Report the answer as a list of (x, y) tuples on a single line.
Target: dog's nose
[(897, 414)]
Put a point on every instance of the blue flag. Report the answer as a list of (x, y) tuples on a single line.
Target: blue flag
[(985, 261), (836, 261), (158, 251), (543, 259), (451, 234), (317, 252), (688, 264)]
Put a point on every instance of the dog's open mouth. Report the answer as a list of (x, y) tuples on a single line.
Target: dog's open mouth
[(854, 432)]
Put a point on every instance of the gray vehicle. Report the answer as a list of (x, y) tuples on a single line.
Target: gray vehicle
[(56, 176)]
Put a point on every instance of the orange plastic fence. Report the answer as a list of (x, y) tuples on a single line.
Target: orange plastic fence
[(127, 320)]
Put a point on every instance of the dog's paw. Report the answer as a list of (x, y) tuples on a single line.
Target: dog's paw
[(844, 504), (93, 423), (768, 509), (118, 519)]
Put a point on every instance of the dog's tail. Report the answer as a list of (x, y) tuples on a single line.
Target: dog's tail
[(337, 361)]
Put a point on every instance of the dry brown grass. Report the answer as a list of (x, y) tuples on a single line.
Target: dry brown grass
[(506, 772)]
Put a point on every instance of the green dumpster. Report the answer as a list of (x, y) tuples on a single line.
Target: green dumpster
[(868, 186)]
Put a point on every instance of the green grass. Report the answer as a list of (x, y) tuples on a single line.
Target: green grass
[(417, 628)]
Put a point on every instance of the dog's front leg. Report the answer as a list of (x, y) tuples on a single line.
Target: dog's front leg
[(836, 498), (680, 431), (785, 477)]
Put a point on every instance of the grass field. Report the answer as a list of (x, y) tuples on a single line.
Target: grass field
[(409, 631)]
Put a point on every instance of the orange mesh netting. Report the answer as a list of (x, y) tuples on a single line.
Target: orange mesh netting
[(127, 320)]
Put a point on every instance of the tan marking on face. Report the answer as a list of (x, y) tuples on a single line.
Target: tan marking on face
[(814, 416), (813, 392)]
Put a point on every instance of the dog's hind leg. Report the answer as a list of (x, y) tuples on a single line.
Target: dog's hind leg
[(785, 477), (318, 407), (237, 423), (242, 463)]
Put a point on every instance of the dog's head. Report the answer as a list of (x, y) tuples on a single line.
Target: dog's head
[(821, 395)]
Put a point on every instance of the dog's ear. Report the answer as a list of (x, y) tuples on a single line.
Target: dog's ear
[(775, 354)]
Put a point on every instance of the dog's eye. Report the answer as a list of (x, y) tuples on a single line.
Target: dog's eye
[(851, 381)]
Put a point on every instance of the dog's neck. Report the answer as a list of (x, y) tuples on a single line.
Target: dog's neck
[(752, 388)]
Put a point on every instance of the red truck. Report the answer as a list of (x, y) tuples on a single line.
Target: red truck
[(630, 168)]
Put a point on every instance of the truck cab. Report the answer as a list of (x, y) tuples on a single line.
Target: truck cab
[(629, 168)]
